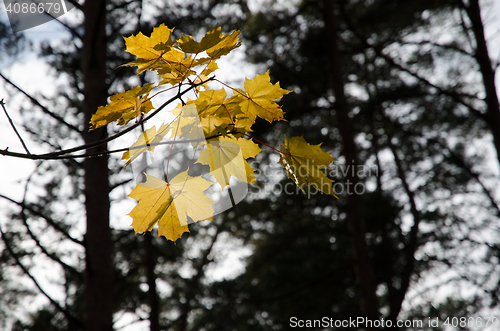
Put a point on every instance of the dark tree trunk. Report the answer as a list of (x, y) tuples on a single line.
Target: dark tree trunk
[(362, 263), (154, 315), (98, 244), (483, 59)]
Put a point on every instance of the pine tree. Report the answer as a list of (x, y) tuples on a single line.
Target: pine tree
[(410, 128)]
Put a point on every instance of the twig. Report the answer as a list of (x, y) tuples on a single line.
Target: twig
[(52, 222), (76, 4), (14, 127), (62, 154), (44, 109), (65, 312), (70, 29)]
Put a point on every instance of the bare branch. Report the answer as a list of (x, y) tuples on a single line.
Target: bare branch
[(44, 109), (49, 220), (378, 50), (63, 154), (70, 29), (14, 127), (76, 4), (65, 312), (447, 46)]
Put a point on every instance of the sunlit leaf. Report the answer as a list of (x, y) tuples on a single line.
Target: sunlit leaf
[(149, 50), (226, 45), (305, 163), (123, 107), (259, 98), (227, 156), (170, 204), (146, 142)]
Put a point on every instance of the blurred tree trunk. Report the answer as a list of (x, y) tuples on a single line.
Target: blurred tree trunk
[(154, 305), (362, 264), (98, 245), (488, 73)]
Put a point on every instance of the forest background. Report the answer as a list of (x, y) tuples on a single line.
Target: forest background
[(404, 90)]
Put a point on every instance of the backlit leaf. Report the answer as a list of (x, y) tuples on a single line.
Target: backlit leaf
[(304, 164), (170, 204), (211, 38), (123, 107), (149, 50), (146, 142), (226, 45), (226, 157), (259, 98)]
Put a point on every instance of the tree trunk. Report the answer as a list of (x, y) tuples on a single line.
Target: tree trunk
[(154, 315), (98, 244), (362, 263), (483, 59)]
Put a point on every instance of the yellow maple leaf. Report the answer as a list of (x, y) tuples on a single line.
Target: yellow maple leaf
[(123, 107), (146, 142), (304, 164), (187, 124), (201, 117), (214, 103), (170, 204), (211, 67), (214, 110), (175, 62), (226, 157), (211, 38), (226, 45), (259, 98), (149, 50)]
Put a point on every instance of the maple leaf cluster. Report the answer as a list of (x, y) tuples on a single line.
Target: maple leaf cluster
[(215, 124)]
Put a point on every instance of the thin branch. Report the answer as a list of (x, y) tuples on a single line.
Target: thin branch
[(122, 5), (52, 222), (65, 312), (44, 109), (52, 256), (58, 155), (116, 185), (24, 218), (14, 127), (76, 4), (378, 50), (70, 29), (95, 154), (447, 46)]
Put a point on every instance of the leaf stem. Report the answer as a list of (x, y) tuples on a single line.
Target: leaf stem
[(14, 127), (263, 143)]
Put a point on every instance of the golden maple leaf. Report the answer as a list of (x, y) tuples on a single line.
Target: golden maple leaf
[(304, 164), (259, 98), (211, 38), (170, 204), (149, 50), (226, 45), (146, 142), (226, 157), (214, 111), (123, 107)]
